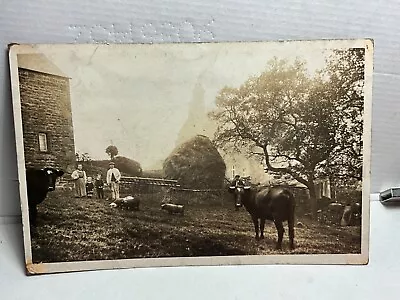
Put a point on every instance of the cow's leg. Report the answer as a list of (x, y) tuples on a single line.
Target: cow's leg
[(32, 215), (262, 225), (256, 228), (291, 231), (279, 228)]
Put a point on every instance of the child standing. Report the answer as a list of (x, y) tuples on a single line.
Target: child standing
[(99, 183), (89, 187)]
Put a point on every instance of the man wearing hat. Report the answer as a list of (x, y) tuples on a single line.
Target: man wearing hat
[(113, 177)]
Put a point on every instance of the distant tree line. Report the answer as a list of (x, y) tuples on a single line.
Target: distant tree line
[(126, 165)]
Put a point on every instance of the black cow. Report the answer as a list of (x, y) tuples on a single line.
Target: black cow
[(39, 183), (276, 204)]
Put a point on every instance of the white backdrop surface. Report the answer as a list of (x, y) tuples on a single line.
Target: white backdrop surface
[(143, 21)]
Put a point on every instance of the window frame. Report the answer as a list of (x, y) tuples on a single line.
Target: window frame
[(46, 140)]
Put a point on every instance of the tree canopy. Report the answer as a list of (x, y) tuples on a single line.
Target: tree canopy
[(346, 77), (112, 151), (83, 157)]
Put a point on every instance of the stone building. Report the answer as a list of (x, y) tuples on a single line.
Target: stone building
[(46, 113)]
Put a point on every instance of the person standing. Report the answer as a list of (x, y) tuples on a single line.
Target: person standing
[(79, 177), (113, 178), (99, 184), (237, 181), (89, 187)]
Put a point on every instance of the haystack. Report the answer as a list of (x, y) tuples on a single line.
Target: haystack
[(196, 164)]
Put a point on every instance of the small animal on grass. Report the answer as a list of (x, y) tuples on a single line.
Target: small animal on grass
[(39, 183), (276, 204), (128, 203), (173, 208)]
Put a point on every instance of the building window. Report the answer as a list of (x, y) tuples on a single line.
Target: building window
[(43, 142)]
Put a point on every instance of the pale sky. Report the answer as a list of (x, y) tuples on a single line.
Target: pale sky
[(137, 96)]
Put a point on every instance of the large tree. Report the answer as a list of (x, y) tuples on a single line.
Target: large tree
[(291, 120), (112, 151)]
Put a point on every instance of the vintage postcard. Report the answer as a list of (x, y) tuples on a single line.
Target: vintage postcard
[(151, 155)]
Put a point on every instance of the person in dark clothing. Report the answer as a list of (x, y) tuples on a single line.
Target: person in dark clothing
[(99, 184), (237, 181), (89, 187)]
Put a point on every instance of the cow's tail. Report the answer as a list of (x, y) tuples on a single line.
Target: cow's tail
[(291, 218)]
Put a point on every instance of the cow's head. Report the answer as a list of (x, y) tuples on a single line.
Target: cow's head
[(239, 192), (52, 174)]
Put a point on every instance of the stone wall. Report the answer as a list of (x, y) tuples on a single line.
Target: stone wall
[(46, 108)]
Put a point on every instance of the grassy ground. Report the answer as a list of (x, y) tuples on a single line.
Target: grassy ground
[(72, 229)]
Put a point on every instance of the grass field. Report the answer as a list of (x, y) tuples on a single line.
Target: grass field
[(72, 229)]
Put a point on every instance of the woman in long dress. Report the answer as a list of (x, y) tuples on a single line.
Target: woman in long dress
[(79, 176)]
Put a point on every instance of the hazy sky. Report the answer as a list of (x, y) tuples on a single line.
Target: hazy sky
[(137, 96)]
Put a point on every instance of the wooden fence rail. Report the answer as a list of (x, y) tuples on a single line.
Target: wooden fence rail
[(169, 188), (150, 181)]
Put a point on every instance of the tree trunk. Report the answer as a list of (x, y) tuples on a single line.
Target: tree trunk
[(313, 201)]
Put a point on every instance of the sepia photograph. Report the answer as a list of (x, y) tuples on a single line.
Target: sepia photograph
[(190, 154)]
